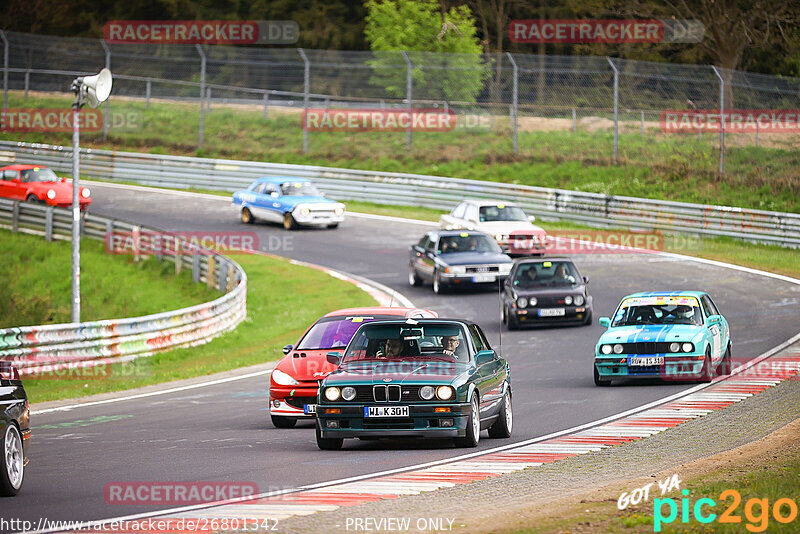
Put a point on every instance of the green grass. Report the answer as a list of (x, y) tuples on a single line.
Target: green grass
[(37, 285), (274, 319), (675, 167)]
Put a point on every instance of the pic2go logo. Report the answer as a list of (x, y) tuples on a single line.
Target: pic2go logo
[(756, 511)]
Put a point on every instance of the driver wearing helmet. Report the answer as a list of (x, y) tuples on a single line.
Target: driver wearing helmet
[(684, 314)]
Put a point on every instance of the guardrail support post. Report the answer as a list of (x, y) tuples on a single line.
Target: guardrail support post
[(202, 93), (48, 223), (105, 110), (616, 108), (15, 217), (5, 75), (514, 102), (27, 82), (196, 268), (231, 277), (409, 84), (210, 271), (223, 275), (306, 90), (147, 91), (721, 121)]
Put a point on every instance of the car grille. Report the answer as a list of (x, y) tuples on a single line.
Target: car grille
[(550, 302), (379, 392), (483, 269), (300, 402), (646, 347)]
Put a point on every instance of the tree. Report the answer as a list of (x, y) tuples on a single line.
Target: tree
[(421, 29)]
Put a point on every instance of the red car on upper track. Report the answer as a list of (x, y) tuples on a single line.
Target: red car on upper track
[(35, 183), (294, 381)]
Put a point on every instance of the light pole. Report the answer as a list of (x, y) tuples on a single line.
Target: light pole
[(91, 90)]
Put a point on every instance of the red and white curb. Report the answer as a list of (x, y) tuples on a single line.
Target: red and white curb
[(748, 380)]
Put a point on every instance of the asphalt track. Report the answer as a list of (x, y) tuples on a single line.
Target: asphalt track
[(223, 433)]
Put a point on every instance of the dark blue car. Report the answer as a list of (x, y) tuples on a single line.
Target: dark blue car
[(290, 201), (457, 258)]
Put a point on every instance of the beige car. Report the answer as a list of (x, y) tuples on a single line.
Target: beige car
[(507, 223)]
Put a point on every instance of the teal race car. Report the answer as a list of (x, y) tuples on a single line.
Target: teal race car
[(672, 335)]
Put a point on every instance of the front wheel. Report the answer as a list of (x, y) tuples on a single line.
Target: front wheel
[(283, 422), (413, 279), (13, 462), (598, 381), (333, 225), (438, 286), (33, 199), (288, 222), (707, 373), (247, 216), (726, 366), (505, 421), (473, 426), (328, 444)]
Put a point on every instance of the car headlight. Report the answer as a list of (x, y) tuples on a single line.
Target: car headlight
[(522, 302), (283, 379), (445, 392), (51, 194), (617, 349), (348, 393), (426, 392), (674, 347), (339, 211), (332, 393), (568, 300), (498, 237), (504, 268), (606, 349), (532, 301), (688, 347), (456, 269), (85, 192), (579, 300), (304, 211)]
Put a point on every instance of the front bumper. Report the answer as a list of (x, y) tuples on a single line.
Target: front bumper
[(572, 314), (465, 279), (314, 217), (423, 421), (289, 401), (680, 367)]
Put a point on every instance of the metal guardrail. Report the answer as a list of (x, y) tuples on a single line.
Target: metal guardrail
[(53, 348), (438, 192)]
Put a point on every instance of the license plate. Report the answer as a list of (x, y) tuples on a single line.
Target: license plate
[(484, 278), (309, 409), (385, 411), (552, 312), (650, 360)]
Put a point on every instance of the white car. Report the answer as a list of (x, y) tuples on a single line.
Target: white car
[(513, 230)]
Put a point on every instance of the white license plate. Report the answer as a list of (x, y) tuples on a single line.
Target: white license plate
[(651, 360), (479, 278), (385, 411), (552, 312), (310, 408)]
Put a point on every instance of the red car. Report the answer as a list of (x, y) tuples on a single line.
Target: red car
[(294, 381), (35, 183)]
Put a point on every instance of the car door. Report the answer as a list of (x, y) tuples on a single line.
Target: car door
[(715, 331), (723, 332), (427, 259), (471, 217), (270, 198), (455, 219), (7, 185), (490, 376)]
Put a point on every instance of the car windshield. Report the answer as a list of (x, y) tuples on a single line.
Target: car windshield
[(335, 332), (546, 273), (501, 213), (434, 342), (467, 243), (299, 189), (39, 174), (658, 310)]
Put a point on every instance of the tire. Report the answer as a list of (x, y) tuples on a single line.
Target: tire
[(438, 287), (328, 444), (33, 199), (12, 463), (511, 322), (707, 373), (473, 426), (726, 365), (588, 321), (288, 222), (333, 225), (247, 216), (598, 381), (505, 421), (413, 279), (283, 422)]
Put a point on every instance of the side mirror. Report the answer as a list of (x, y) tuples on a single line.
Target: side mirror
[(605, 321), (287, 349), (714, 319), (334, 357), (531, 218), (585, 279), (484, 356)]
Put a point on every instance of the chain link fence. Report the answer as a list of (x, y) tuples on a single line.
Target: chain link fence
[(530, 91)]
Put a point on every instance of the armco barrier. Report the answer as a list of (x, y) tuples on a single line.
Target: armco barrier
[(419, 190), (35, 349)]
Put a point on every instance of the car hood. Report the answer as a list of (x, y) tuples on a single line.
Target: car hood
[(550, 291), (314, 366), (294, 201), (506, 227), (473, 258), (396, 372), (63, 190), (645, 333)]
